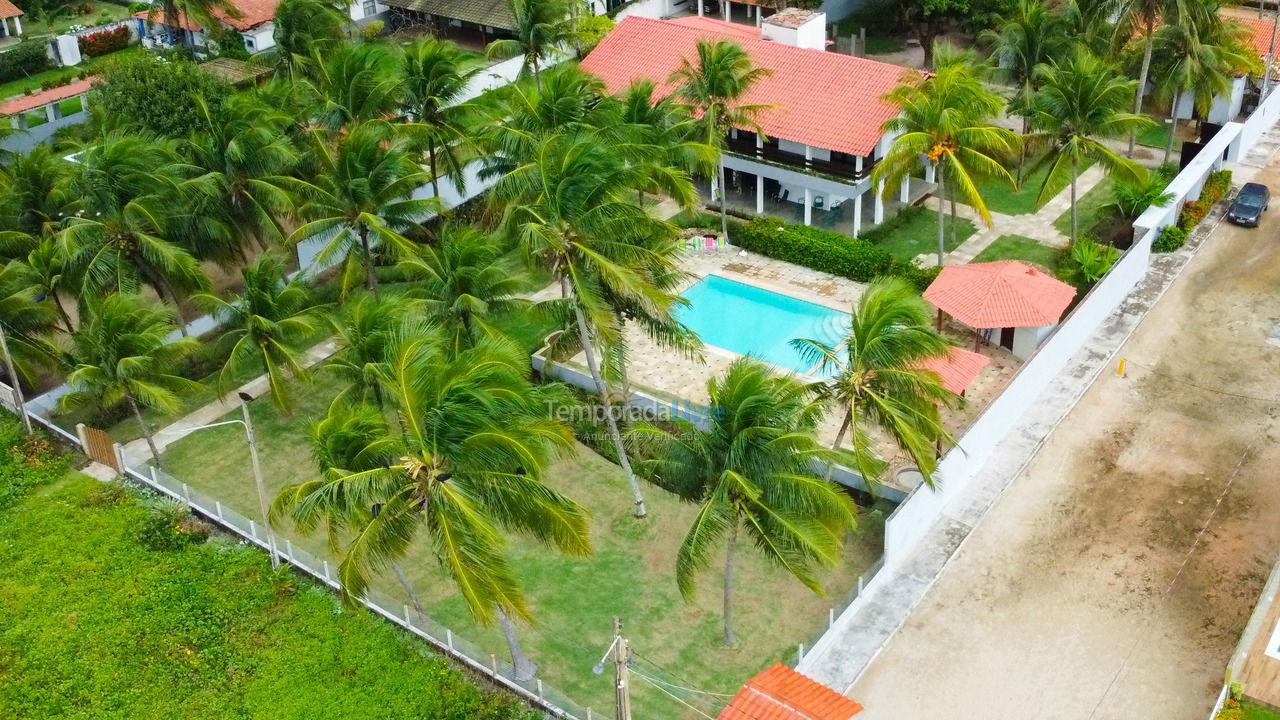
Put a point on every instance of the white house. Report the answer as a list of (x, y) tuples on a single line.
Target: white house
[(822, 129), (254, 23)]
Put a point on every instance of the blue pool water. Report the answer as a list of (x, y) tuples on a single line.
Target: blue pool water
[(746, 320)]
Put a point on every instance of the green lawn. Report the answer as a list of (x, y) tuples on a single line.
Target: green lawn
[(915, 232), (1089, 209), (1258, 712), (14, 88), (1018, 247), (631, 573), (97, 625), (1157, 136), (1003, 198), (87, 14)]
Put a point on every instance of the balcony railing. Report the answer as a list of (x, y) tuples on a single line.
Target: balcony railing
[(746, 147)]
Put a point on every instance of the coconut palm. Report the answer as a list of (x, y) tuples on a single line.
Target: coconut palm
[(364, 328), (44, 272), (1201, 56), (1089, 23), (464, 282), (541, 28), (304, 31), (946, 119), (434, 74), (355, 83), (566, 209), (1081, 103), (33, 185), (466, 464), (1031, 35), (877, 380), (266, 324), (714, 91), (123, 351), (181, 14), (1141, 19), (752, 473), (363, 202), (659, 134), (27, 320)]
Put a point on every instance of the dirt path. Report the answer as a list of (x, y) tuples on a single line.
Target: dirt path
[(1113, 578)]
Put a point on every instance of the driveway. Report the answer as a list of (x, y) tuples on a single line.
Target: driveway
[(1113, 578)]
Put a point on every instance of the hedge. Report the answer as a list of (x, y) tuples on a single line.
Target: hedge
[(1216, 187), (27, 58), (1171, 238), (826, 251), (105, 42)]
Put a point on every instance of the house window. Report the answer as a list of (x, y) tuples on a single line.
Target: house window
[(370, 7), (250, 45)]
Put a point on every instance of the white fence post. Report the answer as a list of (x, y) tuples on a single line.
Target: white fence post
[(84, 444), (217, 505), (253, 530)]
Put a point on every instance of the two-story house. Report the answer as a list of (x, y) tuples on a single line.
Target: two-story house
[(822, 127)]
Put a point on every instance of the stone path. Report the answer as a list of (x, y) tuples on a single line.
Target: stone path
[(1037, 226), (137, 452)]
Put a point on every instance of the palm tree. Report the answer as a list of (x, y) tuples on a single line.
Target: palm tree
[(44, 273), (35, 181), (434, 74), (660, 135), (877, 380), (123, 352), (466, 465), (541, 28), (121, 235), (178, 14), (364, 328), (1142, 18), (266, 326), (304, 31), (566, 208), (355, 83), (946, 119), (363, 201), (1081, 103), (751, 472), (1089, 23), (26, 320), (1201, 56), (465, 282), (1032, 35), (713, 90)]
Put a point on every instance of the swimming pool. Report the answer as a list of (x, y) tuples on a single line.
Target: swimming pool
[(747, 320)]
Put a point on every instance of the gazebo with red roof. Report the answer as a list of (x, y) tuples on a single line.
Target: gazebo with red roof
[(1023, 302), (781, 693), (958, 368), (9, 11)]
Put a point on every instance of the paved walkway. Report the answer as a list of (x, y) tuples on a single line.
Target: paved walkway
[(137, 452)]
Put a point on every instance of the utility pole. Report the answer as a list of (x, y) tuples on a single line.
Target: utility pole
[(257, 478), (13, 378), (621, 680)]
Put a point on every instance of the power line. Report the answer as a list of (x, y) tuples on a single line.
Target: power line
[(681, 687), (668, 673), (672, 696)]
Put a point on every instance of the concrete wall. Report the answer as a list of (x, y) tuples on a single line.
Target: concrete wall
[(24, 141)]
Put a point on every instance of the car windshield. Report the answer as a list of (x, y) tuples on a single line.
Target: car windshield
[(1251, 200)]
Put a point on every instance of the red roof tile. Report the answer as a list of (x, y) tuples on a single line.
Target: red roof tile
[(1260, 32), (252, 14), (781, 693), (45, 97), (819, 98), (999, 295), (712, 25), (8, 9), (958, 368)]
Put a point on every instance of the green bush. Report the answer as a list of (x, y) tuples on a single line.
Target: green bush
[(372, 30), (27, 58), (822, 250), (170, 526), (1171, 238), (137, 7), (158, 94)]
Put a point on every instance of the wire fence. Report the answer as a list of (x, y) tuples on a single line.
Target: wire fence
[(864, 582), (554, 702)]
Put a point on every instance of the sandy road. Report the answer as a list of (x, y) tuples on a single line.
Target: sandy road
[(1113, 578)]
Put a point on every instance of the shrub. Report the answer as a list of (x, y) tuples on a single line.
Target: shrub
[(822, 250), (170, 526), (1171, 238), (26, 58), (372, 30), (1231, 710), (1216, 187), (137, 7), (158, 94), (105, 42), (591, 30)]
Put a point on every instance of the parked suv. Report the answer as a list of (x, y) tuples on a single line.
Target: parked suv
[(1249, 205)]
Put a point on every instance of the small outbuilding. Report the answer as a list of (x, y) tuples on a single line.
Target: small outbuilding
[(10, 20), (1009, 303), (781, 693)]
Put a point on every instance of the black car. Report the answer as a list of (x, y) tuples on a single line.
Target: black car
[(1247, 210)]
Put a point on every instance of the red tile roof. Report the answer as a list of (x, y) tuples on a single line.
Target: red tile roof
[(781, 693), (999, 295), (958, 368), (8, 9), (252, 14), (819, 98), (712, 25), (45, 97), (1260, 32)]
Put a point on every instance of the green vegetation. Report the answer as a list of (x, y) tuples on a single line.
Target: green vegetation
[(1017, 247), (1253, 711), (89, 66), (87, 603), (1093, 208), (1156, 135), (914, 231), (37, 24), (1003, 198)]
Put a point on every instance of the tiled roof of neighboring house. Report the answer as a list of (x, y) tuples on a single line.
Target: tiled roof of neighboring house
[(781, 693), (493, 13), (999, 295), (252, 14), (958, 368), (45, 97), (8, 9), (712, 25), (1259, 31), (819, 98)]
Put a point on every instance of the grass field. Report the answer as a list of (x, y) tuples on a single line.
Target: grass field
[(97, 625), (1017, 247), (630, 575), (14, 88), (84, 13), (1089, 209), (1258, 712), (919, 234), (1158, 135)]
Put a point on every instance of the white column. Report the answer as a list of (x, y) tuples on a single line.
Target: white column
[(857, 165), (857, 215), (905, 193), (727, 10), (759, 194), (4, 28), (700, 11), (759, 17), (808, 206), (931, 173), (877, 213), (17, 25), (50, 111)]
